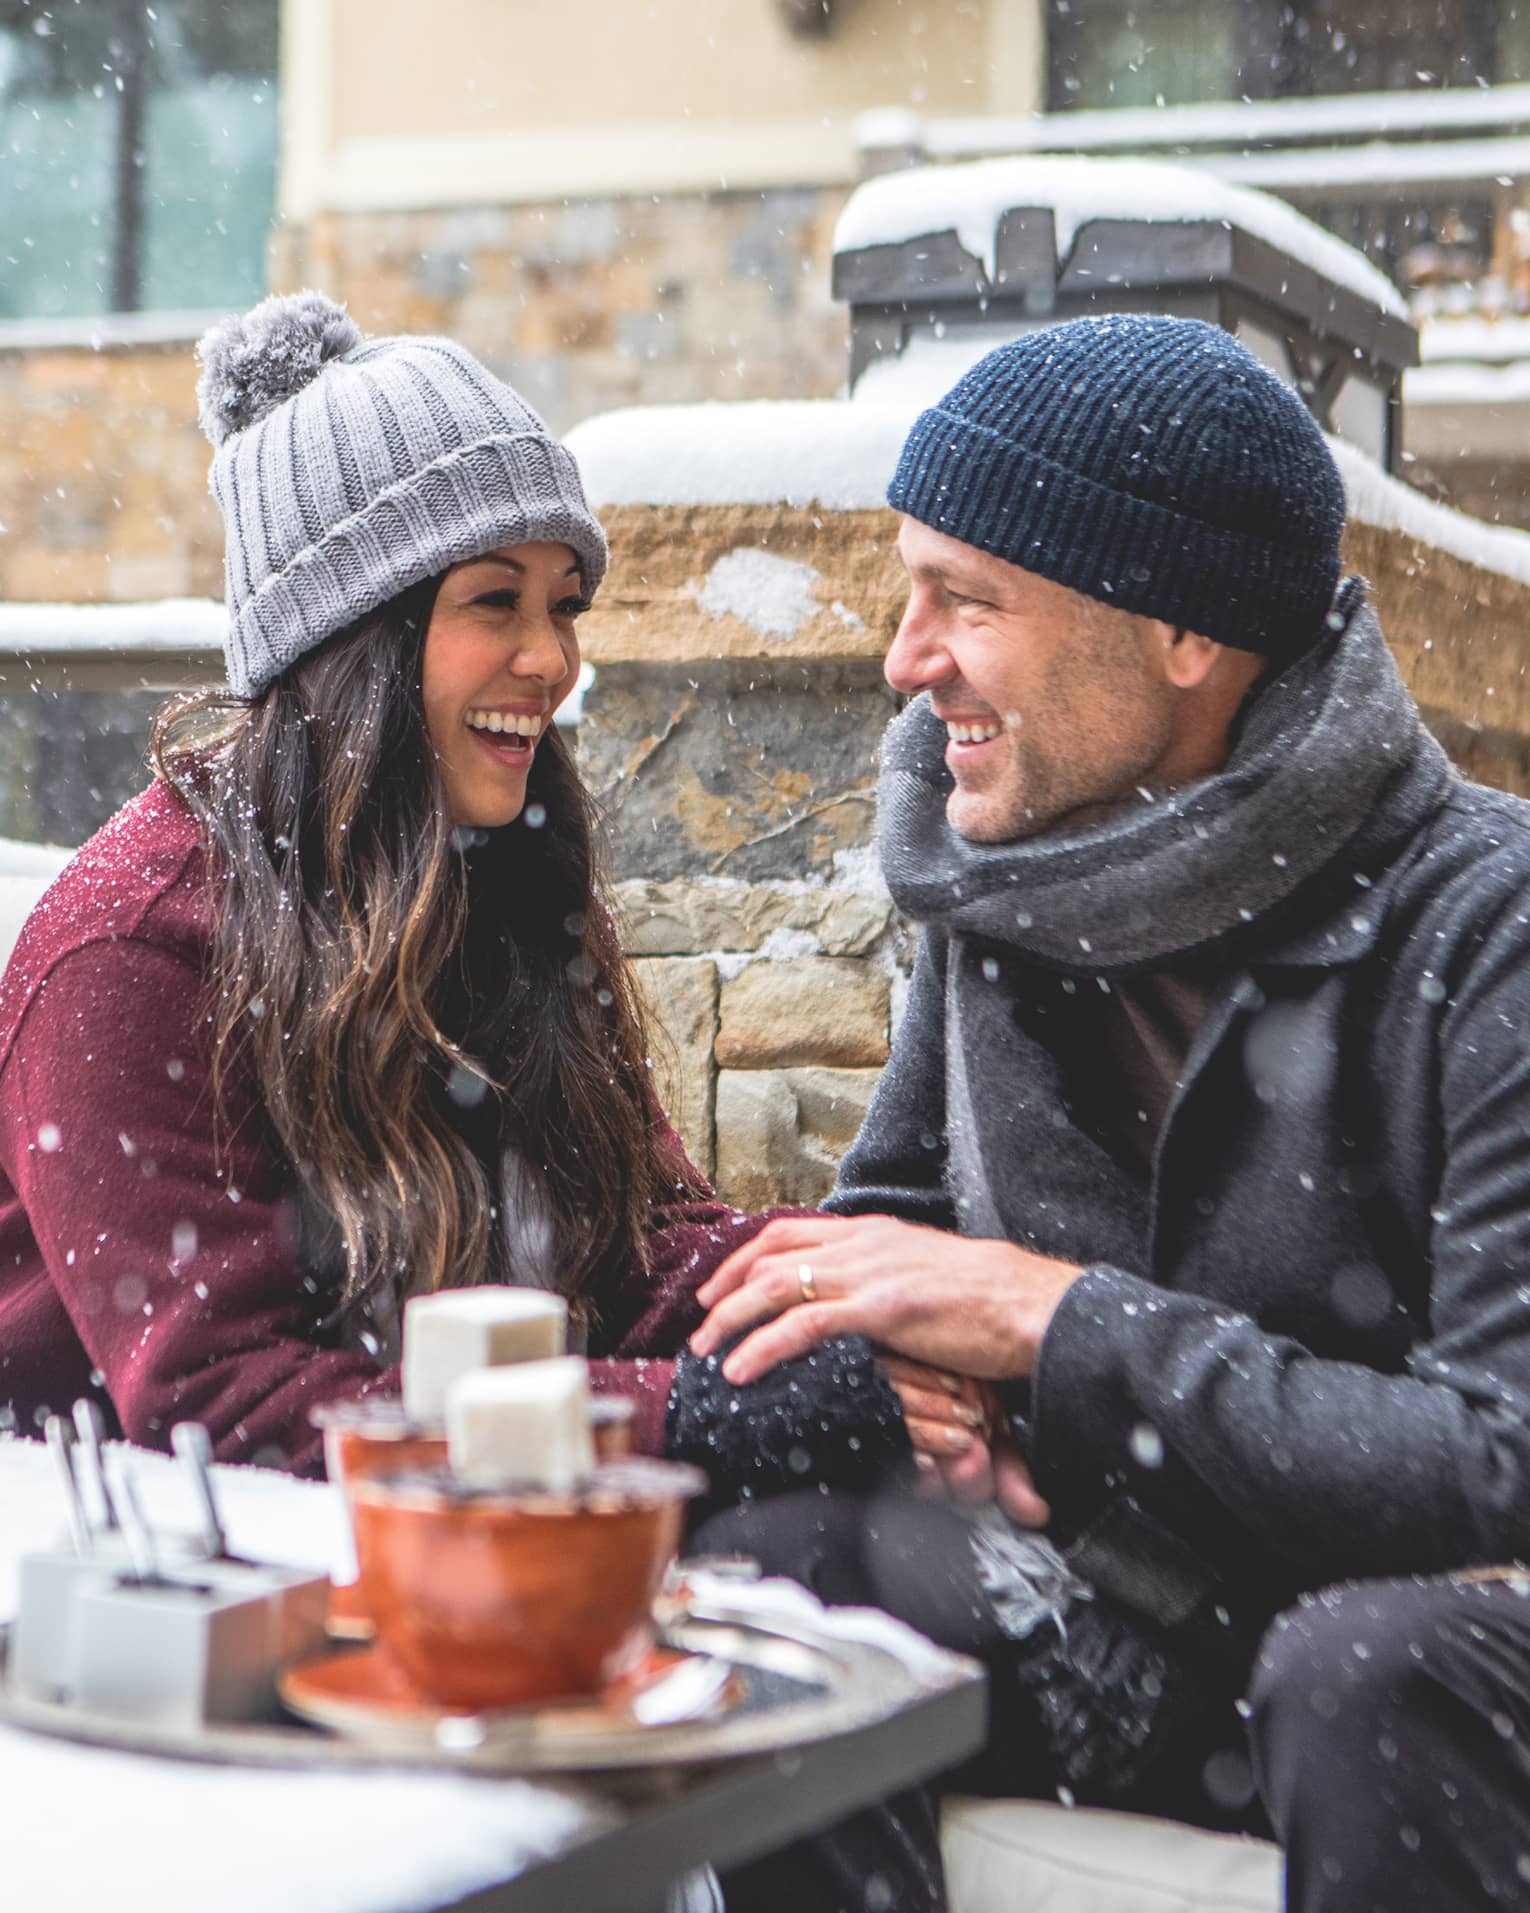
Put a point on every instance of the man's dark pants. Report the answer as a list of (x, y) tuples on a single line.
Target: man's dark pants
[(1385, 1725)]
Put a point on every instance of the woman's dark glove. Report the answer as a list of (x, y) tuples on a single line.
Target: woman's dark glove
[(829, 1419)]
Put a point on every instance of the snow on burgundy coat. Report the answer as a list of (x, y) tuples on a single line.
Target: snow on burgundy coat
[(143, 1265)]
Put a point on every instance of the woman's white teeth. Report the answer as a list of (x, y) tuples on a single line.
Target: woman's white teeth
[(506, 721), (974, 733)]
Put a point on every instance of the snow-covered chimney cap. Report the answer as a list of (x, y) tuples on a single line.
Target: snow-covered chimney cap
[(952, 255), (973, 200)]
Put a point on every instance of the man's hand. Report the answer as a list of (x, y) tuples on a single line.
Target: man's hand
[(977, 1308)]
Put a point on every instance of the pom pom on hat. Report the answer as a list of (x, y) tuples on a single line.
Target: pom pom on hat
[(252, 364)]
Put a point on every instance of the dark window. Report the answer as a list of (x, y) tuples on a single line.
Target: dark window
[(1111, 53), (1387, 46), (1138, 52), (137, 154)]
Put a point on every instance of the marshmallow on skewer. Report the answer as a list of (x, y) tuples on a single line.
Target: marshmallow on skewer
[(528, 1425), (456, 1331)]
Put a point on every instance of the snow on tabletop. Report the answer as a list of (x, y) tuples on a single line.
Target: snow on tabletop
[(764, 452), (162, 1833), (86, 1828), (269, 1516), (970, 200)]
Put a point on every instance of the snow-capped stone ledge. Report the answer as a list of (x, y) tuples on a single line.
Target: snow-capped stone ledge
[(806, 452), (179, 625), (837, 455)]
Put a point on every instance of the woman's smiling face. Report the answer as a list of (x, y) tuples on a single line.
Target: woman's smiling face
[(501, 654)]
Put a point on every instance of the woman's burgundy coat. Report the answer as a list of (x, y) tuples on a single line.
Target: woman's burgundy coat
[(144, 1265)]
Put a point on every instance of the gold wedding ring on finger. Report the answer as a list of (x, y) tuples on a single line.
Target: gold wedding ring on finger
[(805, 1282)]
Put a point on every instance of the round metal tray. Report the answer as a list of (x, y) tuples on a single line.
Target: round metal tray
[(793, 1686)]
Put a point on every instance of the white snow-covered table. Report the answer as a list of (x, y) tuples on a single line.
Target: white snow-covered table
[(85, 1828)]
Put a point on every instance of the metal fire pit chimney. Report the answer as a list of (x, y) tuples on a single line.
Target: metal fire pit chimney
[(976, 254)]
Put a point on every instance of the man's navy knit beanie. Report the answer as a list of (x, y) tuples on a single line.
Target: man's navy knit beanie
[(1151, 463)]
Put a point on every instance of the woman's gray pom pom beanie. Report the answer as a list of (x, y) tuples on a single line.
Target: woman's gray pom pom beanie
[(348, 469)]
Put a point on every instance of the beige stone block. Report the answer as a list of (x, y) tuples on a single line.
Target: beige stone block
[(167, 379), (60, 438), (143, 525), (809, 1010), (681, 996), (164, 575), (67, 371), (781, 1133), (650, 609), (678, 918), (43, 573), (1456, 629)]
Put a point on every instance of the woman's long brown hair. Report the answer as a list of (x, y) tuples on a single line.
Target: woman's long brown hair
[(411, 1005)]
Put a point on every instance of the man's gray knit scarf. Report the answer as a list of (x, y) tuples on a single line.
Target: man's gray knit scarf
[(1332, 756), (1332, 773)]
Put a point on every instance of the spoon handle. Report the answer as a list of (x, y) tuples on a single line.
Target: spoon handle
[(136, 1532), (190, 1441), (90, 1427), (60, 1439)]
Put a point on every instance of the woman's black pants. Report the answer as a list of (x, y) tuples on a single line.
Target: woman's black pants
[(1382, 1731)]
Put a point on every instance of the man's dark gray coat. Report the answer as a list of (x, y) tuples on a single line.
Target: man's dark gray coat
[(1302, 1353)]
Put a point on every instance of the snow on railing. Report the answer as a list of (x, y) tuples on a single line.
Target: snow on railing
[(105, 331), (1240, 125)]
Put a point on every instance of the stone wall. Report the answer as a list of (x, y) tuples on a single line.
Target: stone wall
[(584, 306), (737, 771), (737, 767), (103, 476), (596, 303)]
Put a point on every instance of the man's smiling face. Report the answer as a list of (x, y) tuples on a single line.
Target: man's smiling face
[(1055, 712)]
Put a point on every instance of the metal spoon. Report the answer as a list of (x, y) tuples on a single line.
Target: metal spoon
[(190, 1441), (60, 1439), (90, 1426), (136, 1532)]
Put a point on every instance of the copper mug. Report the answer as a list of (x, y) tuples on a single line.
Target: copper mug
[(508, 1596), (369, 1439)]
